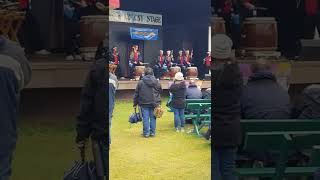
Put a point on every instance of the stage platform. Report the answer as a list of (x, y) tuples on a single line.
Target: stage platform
[(131, 85), (53, 71)]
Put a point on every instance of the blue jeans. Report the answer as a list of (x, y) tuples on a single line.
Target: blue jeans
[(149, 121), (223, 163), (317, 175), (178, 117), (112, 93)]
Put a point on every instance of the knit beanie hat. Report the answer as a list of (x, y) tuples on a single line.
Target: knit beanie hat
[(221, 46)]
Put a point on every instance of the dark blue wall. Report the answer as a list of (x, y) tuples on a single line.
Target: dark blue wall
[(185, 24)]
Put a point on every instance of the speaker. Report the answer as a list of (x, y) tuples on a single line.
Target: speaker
[(309, 50)]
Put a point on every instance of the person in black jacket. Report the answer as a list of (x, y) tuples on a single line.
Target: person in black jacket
[(308, 106), (148, 96), (92, 118), (15, 74), (226, 88), (263, 97), (178, 103)]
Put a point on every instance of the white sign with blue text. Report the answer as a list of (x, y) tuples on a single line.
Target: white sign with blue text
[(135, 17)]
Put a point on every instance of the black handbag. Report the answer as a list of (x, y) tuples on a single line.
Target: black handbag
[(81, 170)]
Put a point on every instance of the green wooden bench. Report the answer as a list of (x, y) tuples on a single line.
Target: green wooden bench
[(199, 118), (281, 136)]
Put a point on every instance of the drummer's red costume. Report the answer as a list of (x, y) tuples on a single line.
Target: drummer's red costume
[(135, 59)]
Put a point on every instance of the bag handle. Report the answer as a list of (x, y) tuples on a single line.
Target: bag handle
[(83, 154)]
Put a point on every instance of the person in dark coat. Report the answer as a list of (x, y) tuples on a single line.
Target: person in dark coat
[(178, 103), (263, 97), (193, 92), (92, 118), (15, 74), (308, 106), (148, 96), (227, 88)]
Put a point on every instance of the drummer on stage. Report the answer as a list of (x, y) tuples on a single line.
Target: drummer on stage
[(135, 59), (207, 62), (180, 61), (115, 59), (160, 66), (169, 59), (188, 58)]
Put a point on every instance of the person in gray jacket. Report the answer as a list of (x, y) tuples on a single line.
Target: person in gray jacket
[(15, 74), (148, 97)]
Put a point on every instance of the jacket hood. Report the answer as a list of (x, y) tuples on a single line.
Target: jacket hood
[(261, 76), (150, 80), (313, 93)]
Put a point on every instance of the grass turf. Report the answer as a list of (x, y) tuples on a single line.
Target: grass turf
[(169, 155), (46, 149)]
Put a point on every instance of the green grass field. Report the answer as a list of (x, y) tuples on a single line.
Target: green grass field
[(169, 155), (46, 150)]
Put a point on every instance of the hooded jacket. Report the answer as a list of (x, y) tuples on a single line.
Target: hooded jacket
[(308, 107), (148, 92), (264, 98), (178, 90), (226, 89)]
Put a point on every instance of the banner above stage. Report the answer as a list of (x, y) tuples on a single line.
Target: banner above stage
[(144, 34), (135, 17)]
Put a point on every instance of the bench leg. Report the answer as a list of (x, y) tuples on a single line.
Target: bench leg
[(196, 129)]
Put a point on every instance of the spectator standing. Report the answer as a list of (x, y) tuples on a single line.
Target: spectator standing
[(91, 120), (227, 89), (178, 103), (148, 96)]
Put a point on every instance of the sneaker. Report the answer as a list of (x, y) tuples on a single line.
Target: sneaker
[(182, 130), (177, 130), (145, 135), (43, 52), (152, 135), (77, 57), (69, 58)]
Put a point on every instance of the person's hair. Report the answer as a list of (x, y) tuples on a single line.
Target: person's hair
[(260, 65), (192, 83), (148, 71)]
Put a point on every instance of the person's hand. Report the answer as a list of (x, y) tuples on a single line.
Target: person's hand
[(82, 144), (249, 6), (134, 106)]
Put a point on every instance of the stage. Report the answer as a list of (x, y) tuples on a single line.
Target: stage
[(53, 71)]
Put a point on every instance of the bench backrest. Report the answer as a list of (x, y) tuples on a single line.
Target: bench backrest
[(198, 106), (198, 101), (265, 125), (261, 141)]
